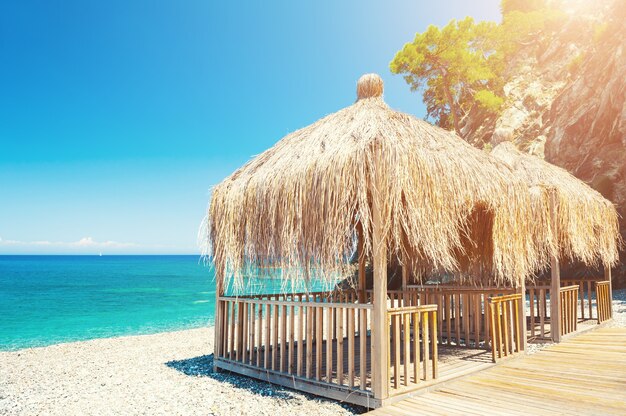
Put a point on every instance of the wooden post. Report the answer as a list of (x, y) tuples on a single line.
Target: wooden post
[(360, 250), (405, 278), (522, 316), (380, 327), (219, 288), (555, 283), (607, 276)]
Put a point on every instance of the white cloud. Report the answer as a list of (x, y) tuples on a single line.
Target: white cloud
[(88, 245), (85, 242)]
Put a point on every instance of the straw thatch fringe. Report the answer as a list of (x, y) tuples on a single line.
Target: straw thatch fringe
[(587, 226), (444, 204)]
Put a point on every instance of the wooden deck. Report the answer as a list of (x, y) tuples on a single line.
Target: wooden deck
[(586, 374), (454, 362)]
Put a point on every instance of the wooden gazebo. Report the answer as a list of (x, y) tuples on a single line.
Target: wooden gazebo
[(404, 196)]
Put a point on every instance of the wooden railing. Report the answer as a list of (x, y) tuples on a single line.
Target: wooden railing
[(604, 301), (506, 336), (322, 341), (539, 311), (462, 319), (337, 296), (412, 351), (587, 294), (539, 295), (568, 299)]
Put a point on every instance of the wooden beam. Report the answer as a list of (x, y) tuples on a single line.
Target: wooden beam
[(522, 315), (607, 276), (555, 283), (405, 276), (319, 388), (219, 288), (360, 250), (380, 327)]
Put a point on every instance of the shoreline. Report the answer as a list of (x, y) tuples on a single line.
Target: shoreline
[(210, 325)]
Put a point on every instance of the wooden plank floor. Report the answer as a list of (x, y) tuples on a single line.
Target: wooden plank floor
[(585, 375), (452, 361)]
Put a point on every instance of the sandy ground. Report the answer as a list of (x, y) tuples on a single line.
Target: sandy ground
[(162, 374)]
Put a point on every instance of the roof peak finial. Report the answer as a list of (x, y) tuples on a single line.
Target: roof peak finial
[(369, 86)]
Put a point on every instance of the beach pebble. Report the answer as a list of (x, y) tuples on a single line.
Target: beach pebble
[(163, 374)]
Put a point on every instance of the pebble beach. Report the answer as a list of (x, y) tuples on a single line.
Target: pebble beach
[(168, 373)]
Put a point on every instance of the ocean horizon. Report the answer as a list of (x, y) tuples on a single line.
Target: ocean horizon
[(51, 299)]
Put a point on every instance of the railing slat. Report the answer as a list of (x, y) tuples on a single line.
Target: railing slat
[(310, 312), (251, 328), (231, 347), (351, 331), (329, 344), (407, 347), (541, 305), (268, 343), (518, 336), (319, 326), (435, 354), (589, 296), (260, 334), (244, 332), (425, 338), (291, 344), (275, 337), (339, 336), (416, 347), (363, 347), (532, 311), (395, 324), (506, 326), (299, 338), (457, 318), (448, 312), (467, 317)]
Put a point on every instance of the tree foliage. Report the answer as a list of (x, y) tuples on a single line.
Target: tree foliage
[(453, 65), (463, 64)]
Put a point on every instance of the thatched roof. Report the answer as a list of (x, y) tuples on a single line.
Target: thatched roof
[(445, 204), (588, 228)]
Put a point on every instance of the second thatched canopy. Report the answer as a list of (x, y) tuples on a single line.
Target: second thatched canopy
[(441, 203), (576, 221)]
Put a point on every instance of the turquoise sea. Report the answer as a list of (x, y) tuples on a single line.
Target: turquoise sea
[(50, 299)]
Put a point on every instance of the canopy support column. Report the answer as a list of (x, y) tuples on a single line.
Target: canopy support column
[(555, 282), (522, 315), (405, 277), (219, 291), (380, 327), (555, 309), (607, 276), (362, 284)]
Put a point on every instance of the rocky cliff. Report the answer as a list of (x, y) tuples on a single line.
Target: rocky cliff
[(565, 101)]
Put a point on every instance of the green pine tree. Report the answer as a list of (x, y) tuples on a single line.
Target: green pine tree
[(456, 66)]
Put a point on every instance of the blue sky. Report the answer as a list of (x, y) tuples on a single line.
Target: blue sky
[(116, 117)]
